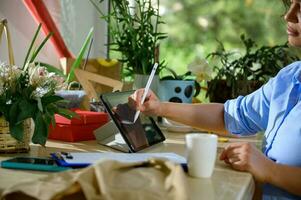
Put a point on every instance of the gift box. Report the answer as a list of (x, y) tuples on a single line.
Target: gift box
[(79, 128)]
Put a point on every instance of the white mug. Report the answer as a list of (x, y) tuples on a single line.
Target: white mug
[(201, 154)]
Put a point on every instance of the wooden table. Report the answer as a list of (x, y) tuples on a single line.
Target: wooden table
[(225, 183)]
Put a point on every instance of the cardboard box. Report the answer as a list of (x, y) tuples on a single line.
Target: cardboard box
[(77, 129)]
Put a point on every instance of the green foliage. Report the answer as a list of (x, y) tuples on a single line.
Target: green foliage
[(134, 33), (193, 26), (254, 68), (29, 92), (174, 76)]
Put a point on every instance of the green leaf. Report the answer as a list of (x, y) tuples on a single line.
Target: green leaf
[(36, 52), (26, 110), (168, 78), (51, 109), (67, 113), (80, 56), (51, 99), (13, 113), (31, 44), (16, 130), (174, 74), (40, 130), (40, 106)]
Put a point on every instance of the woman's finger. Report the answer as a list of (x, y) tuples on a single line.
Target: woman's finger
[(234, 159), (239, 165), (227, 150), (234, 152), (234, 148), (135, 99)]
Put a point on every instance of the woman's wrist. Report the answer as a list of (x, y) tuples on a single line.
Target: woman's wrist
[(163, 109), (160, 109), (270, 171)]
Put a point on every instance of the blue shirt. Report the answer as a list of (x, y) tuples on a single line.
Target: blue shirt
[(275, 108)]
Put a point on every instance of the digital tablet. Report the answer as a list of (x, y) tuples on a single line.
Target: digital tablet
[(139, 135)]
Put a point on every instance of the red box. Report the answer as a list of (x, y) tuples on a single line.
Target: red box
[(77, 129)]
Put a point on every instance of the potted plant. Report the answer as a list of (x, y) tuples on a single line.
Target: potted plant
[(240, 75), (178, 88), (134, 34), (28, 92)]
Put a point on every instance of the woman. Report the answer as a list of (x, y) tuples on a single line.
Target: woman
[(274, 108)]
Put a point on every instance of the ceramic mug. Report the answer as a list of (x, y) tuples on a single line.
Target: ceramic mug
[(201, 154)]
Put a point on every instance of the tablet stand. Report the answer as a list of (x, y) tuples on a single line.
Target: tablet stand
[(110, 136)]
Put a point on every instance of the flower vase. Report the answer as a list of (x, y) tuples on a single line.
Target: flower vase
[(140, 81), (9, 144)]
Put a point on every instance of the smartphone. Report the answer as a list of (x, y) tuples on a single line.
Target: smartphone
[(33, 163)]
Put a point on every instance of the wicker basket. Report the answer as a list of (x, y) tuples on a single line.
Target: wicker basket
[(8, 144)]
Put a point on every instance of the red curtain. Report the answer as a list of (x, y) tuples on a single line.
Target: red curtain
[(41, 14)]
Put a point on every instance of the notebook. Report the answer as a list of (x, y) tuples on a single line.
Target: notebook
[(83, 159)]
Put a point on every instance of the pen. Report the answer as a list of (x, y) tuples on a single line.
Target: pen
[(223, 139), (146, 89), (145, 92)]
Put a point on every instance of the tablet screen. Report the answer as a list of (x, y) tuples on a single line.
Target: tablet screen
[(139, 135)]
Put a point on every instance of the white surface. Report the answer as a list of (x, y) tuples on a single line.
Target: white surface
[(201, 154)]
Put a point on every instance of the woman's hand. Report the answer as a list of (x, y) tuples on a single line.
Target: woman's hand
[(246, 157), (151, 105)]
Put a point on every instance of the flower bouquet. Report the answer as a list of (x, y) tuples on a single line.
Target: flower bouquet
[(28, 92)]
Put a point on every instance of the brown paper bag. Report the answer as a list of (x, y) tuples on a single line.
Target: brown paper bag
[(108, 180)]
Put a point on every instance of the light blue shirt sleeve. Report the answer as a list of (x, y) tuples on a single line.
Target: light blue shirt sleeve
[(249, 114)]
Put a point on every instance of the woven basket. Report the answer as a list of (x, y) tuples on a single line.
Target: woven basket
[(8, 144)]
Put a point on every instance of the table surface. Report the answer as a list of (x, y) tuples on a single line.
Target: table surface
[(225, 182)]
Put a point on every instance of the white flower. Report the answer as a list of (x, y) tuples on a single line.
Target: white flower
[(256, 66), (37, 75), (39, 92), (42, 72), (201, 69), (51, 75)]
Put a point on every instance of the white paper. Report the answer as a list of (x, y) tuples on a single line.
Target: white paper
[(90, 158)]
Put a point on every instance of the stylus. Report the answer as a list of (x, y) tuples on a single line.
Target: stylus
[(146, 89)]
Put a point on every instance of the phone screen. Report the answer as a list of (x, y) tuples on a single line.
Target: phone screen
[(28, 160)]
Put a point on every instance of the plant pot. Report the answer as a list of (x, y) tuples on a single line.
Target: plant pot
[(140, 81), (180, 91), (219, 92), (9, 144)]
